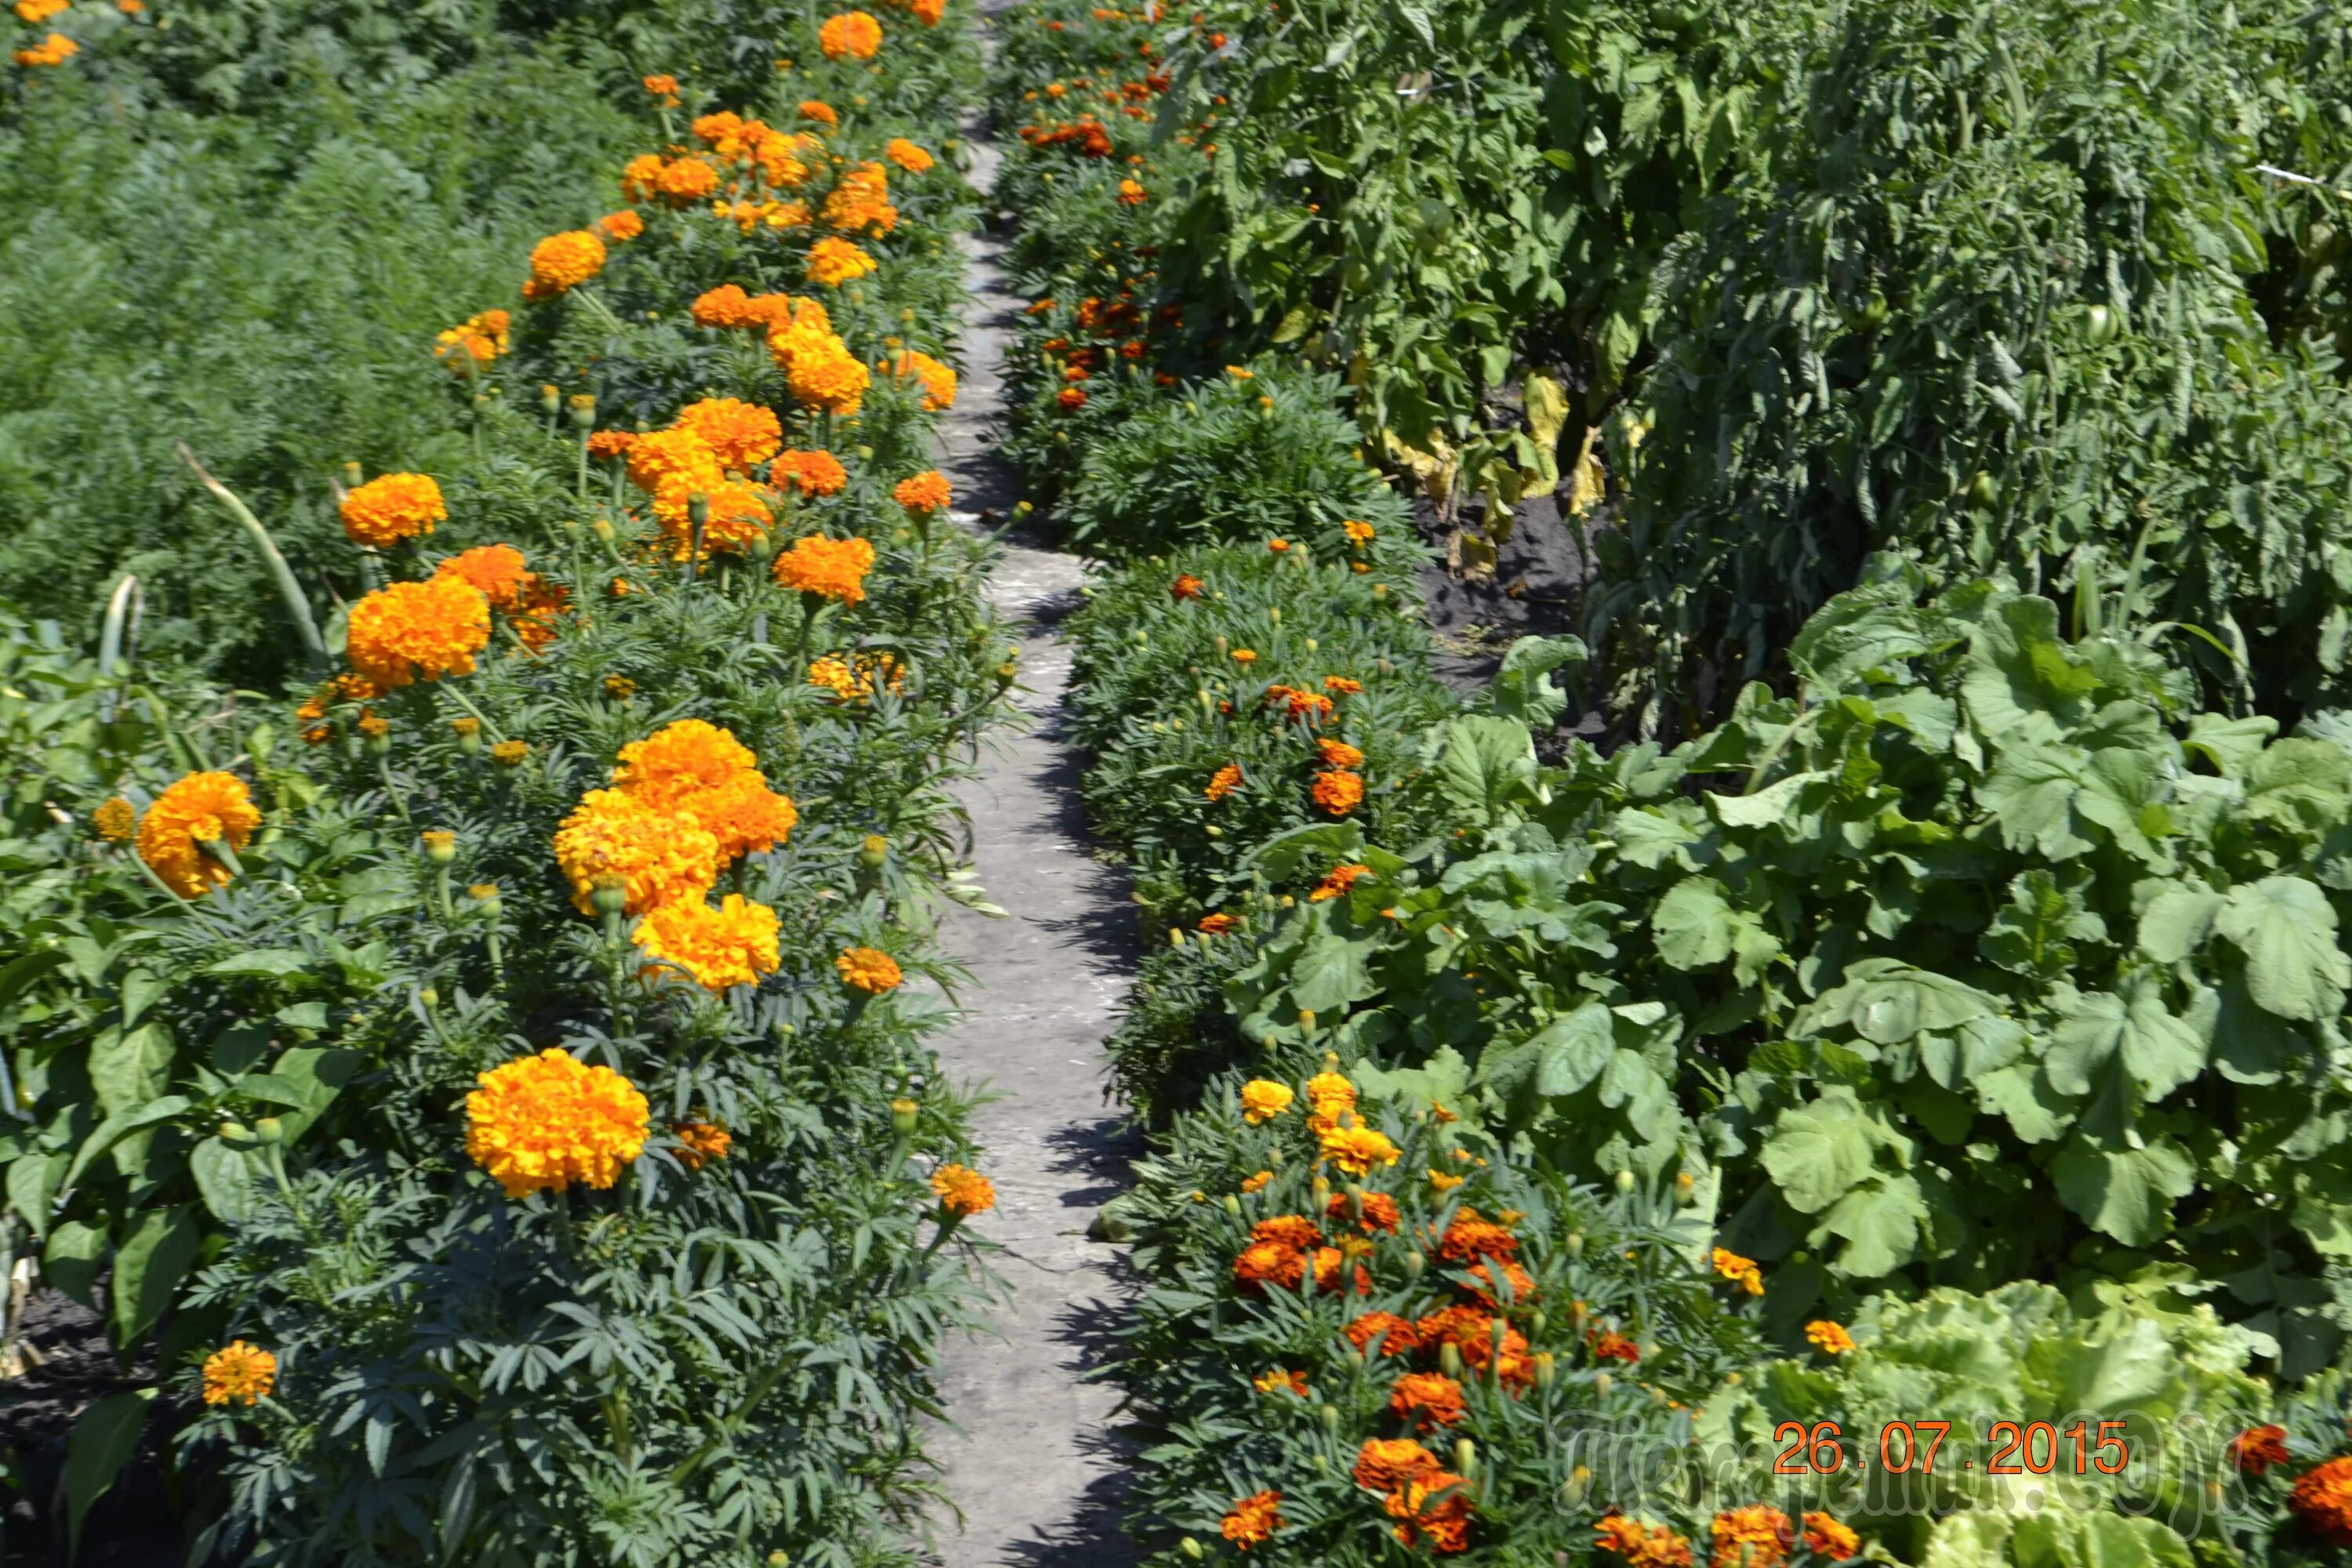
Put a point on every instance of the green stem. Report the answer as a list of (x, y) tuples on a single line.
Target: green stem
[(297, 606), (458, 697)]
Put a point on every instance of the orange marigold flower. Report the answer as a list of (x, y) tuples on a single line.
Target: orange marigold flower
[(1825, 1537), (1516, 1285), (1340, 685), (1330, 1093), (700, 1141), (1244, 656), (2257, 1448), (1071, 397), (908, 155), (1279, 546), (733, 945), (1256, 1181), (939, 381), (825, 377), (1337, 882), (685, 181), (1396, 1335), (836, 568), (1470, 1238), (36, 12), (1294, 1231), (390, 508), (499, 570), (661, 458), (477, 341), (1263, 1263), (620, 227), (1730, 1265), (1262, 1099), (852, 34), (541, 1123), (2322, 1500), (869, 970), (662, 855), (1132, 195), (1276, 1380), (726, 306), (411, 630), (736, 515), (812, 473), (1435, 1509), (1471, 1331), (54, 50), (1643, 1545), (1755, 1536), (860, 201), (1337, 754), (1357, 1149), (818, 111), (663, 86), (925, 492), (745, 815), (833, 262), (1186, 586), (564, 261), (197, 810), (1224, 782), (1338, 792), (963, 1192), (1379, 1212), (612, 442), (1253, 1519), (1828, 1338), (680, 761), (1428, 1399), (1216, 924), (1608, 1345), (1357, 532), (238, 1373), (738, 434)]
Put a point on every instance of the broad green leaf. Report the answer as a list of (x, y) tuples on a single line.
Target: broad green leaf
[(1572, 1051), (1693, 924), (73, 1259), (269, 962), (1855, 633), (2065, 1538), (318, 1072), (2019, 1094), (2126, 1193), (1773, 804), (1523, 688), (140, 989), (1817, 1153), (128, 1067), (1485, 762), (35, 1179), (1879, 1223), (122, 1125), (102, 1443), (148, 1268), (1970, 1540), (1957, 1058), (226, 1179), (2176, 920), (1329, 973), (2157, 1048), (2231, 745), (2286, 929)]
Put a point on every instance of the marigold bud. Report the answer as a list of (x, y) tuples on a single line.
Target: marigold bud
[(874, 852), (1449, 1360), (1602, 1383), (1579, 1483), (269, 1131), (1187, 1546), (550, 396), (440, 845), (1413, 1264), (903, 1113), (610, 893), (1624, 1182), (1466, 1457)]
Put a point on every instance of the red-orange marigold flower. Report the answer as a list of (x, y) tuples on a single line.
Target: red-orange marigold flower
[(2257, 1448), (1398, 1336), (1338, 792), (1253, 1519), (1429, 1399)]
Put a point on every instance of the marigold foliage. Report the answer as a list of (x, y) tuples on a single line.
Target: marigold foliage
[(542, 1123)]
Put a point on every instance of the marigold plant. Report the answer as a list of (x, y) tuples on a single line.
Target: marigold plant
[(562, 262), (869, 970), (737, 434), (390, 508), (850, 34), (833, 262), (963, 1192), (662, 855), (832, 568), (412, 631)]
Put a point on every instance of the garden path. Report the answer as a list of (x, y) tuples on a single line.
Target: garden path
[(1032, 1469)]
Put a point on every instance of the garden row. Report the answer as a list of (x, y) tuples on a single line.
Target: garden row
[(492, 1102), (1949, 1030)]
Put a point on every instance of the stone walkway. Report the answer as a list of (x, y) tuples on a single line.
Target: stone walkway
[(1033, 1467)]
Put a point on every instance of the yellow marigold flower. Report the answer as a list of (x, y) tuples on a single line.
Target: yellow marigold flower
[(1224, 782), (390, 508), (733, 945), (661, 458), (1256, 1181), (663, 856), (510, 753), (836, 568), (833, 673), (908, 155), (1276, 1380), (1730, 1264), (620, 227), (54, 50), (963, 1192), (853, 35), (1253, 1519), (1356, 1150), (564, 261), (738, 434), (822, 372), (115, 820), (812, 473), (1330, 1093), (1262, 1099), (699, 1141), (1828, 1338), (197, 810), (1752, 1282), (1443, 1181), (833, 262), (926, 491), (427, 629), (480, 338), (939, 380), (819, 111), (869, 970), (238, 1373), (1358, 532), (541, 1123), (499, 570)]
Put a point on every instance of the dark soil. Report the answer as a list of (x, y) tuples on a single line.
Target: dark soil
[(132, 1525), (1536, 589)]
